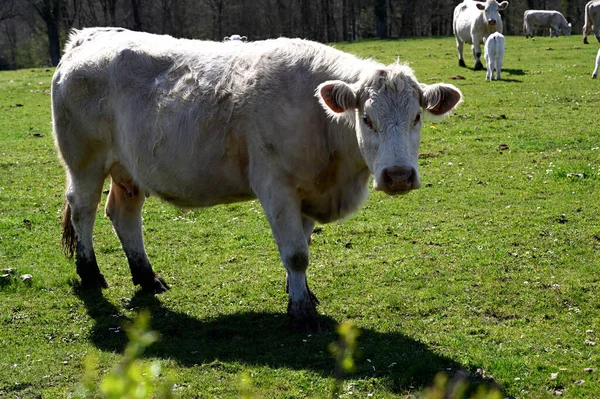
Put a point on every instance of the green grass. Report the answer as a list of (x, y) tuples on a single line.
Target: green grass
[(492, 265)]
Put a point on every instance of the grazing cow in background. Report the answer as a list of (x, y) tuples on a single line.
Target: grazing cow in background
[(494, 55), (591, 20), (473, 22), (550, 19), (595, 73), (297, 124), (235, 38)]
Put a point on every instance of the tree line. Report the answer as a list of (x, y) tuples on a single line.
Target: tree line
[(32, 32)]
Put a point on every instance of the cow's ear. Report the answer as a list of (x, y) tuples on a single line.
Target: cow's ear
[(441, 98), (480, 6), (503, 5), (337, 96)]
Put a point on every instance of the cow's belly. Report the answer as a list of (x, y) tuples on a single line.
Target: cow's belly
[(190, 178), (198, 187)]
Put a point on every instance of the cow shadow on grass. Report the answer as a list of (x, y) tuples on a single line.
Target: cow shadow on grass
[(264, 339)]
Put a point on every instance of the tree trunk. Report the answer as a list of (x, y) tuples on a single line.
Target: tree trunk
[(49, 11), (408, 18), (135, 10), (345, 20), (112, 12), (381, 19)]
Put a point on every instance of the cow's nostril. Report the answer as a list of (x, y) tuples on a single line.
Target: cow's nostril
[(492, 22), (399, 178)]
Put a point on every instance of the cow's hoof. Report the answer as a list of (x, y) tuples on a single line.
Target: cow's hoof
[(303, 315), (478, 66), (155, 285), (93, 282), (585, 41), (594, 76), (461, 63)]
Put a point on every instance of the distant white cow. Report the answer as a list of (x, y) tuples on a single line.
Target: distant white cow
[(235, 38), (595, 73), (592, 20), (550, 19), (473, 22), (297, 124), (494, 55)]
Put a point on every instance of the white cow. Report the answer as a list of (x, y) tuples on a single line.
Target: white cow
[(592, 20), (550, 19), (473, 22), (595, 73), (234, 38), (494, 55), (297, 124)]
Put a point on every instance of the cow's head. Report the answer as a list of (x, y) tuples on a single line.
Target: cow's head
[(567, 29), (491, 10), (386, 110)]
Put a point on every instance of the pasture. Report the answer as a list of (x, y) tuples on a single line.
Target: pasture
[(491, 267)]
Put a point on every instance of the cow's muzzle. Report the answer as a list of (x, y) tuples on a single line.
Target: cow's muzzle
[(398, 180)]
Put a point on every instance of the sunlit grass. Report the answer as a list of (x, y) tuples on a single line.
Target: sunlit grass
[(492, 265)]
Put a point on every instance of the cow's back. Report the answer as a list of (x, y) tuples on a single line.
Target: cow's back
[(593, 12), (467, 20), (463, 18), (180, 115)]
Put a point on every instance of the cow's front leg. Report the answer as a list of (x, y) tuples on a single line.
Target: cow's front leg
[(476, 48), (291, 233), (124, 208)]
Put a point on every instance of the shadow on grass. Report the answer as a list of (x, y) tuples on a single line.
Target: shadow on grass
[(264, 339), (516, 72)]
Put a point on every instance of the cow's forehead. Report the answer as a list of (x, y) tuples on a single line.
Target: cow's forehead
[(391, 90), (491, 5), (390, 80)]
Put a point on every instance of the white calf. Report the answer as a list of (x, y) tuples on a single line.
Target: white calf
[(494, 55)]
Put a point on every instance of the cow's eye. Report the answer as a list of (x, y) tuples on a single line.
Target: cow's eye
[(368, 122), (417, 119)]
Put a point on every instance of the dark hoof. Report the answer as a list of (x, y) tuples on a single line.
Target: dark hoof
[(461, 63), (303, 315), (93, 282), (585, 41), (478, 66), (154, 285)]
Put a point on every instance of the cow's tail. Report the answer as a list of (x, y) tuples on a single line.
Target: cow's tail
[(587, 23), (68, 234)]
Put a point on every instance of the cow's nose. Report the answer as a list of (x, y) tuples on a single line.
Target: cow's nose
[(492, 22), (399, 179)]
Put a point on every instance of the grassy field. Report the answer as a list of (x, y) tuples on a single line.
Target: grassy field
[(492, 267)]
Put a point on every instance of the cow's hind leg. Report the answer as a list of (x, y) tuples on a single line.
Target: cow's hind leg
[(124, 208), (84, 190), (459, 48)]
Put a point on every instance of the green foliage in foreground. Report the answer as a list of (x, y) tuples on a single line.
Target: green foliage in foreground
[(489, 271), (131, 378)]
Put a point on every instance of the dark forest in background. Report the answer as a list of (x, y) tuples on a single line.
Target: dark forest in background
[(32, 32)]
